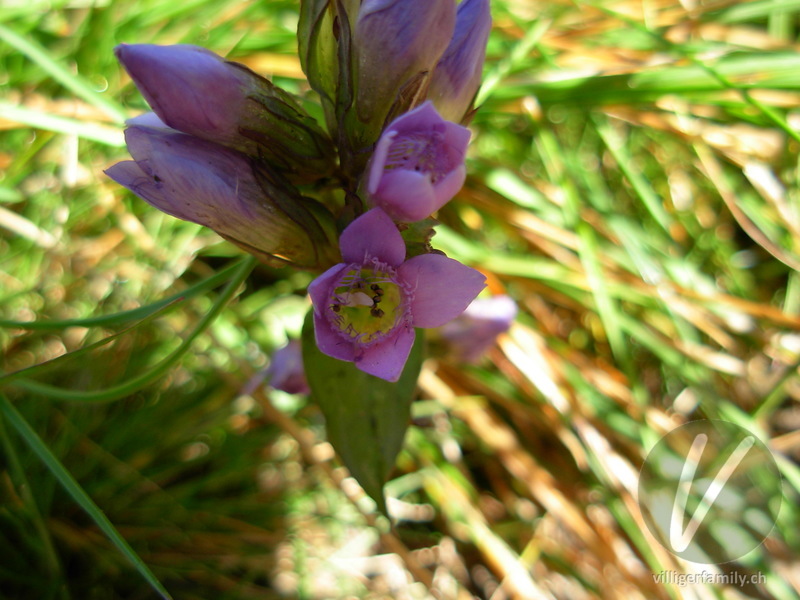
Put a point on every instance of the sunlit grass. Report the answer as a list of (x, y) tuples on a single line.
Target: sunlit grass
[(633, 186)]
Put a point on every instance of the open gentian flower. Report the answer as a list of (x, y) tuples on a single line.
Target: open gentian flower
[(366, 308), (418, 164), (458, 73)]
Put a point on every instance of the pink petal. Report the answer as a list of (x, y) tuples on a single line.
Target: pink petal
[(378, 160), (406, 195), (330, 342), (321, 288), (423, 117), (448, 187), (442, 288), (372, 235), (387, 358)]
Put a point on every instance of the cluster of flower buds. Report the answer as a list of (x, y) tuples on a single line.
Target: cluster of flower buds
[(228, 149)]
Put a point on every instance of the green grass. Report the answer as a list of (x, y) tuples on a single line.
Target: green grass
[(633, 185)]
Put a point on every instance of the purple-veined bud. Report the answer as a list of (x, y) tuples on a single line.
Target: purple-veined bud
[(202, 182), (457, 76), (195, 91), (366, 308), (397, 45), (286, 372), (476, 329), (418, 164)]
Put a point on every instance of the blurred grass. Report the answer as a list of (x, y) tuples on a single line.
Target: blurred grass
[(633, 186)]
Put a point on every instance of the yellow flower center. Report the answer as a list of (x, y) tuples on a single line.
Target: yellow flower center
[(366, 304)]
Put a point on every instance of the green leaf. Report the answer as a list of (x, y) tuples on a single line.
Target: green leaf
[(366, 417)]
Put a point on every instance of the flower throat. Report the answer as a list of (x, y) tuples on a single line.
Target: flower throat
[(366, 304)]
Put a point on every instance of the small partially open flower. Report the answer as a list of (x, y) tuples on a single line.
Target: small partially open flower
[(366, 308), (418, 164), (475, 331), (458, 73)]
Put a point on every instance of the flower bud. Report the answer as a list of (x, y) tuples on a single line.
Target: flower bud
[(195, 91), (418, 164), (396, 43), (457, 77), (286, 372), (199, 181)]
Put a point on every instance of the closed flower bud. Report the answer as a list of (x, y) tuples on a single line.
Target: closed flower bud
[(458, 74), (197, 92), (199, 181), (396, 43), (286, 372), (418, 164)]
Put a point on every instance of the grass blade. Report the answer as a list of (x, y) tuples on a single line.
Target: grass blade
[(72, 82), (74, 489)]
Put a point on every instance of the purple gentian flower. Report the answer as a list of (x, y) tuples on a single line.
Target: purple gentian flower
[(286, 372), (199, 181), (418, 164), (195, 91), (458, 73), (395, 42), (366, 308), (476, 329)]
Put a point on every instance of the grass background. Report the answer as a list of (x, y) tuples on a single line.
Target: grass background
[(633, 186)]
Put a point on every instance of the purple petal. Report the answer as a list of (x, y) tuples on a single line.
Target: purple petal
[(190, 88), (286, 372), (395, 41), (372, 235), (458, 74), (476, 330), (193, 179), (442, 288), (456, 140), (148, 119), (330, 342), (422, 118), (387, 358), (378, 161), (446, 188), (321, 289), (408, 196), (130, 175)]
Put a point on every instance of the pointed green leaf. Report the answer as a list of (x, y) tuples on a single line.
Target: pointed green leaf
[(366, 417)]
